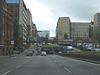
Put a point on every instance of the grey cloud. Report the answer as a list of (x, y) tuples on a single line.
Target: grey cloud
[(81, 9)]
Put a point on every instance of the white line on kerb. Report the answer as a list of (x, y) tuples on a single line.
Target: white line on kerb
[(6, 73), (67, 70)]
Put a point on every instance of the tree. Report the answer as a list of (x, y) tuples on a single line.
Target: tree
[(65, 36), (97, 34)]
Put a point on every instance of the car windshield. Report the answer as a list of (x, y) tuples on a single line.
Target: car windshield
[(49, 37)]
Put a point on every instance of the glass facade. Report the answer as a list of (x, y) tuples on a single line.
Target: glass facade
[(44, 34), (12, 1)]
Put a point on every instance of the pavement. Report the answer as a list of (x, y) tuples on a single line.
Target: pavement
[(46, 65)]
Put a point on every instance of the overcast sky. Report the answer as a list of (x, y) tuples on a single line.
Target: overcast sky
[(45, 13)]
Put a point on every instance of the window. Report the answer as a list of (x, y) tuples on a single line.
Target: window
[(12, 1)]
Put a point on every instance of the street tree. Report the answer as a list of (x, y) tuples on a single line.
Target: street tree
[(65, 36)]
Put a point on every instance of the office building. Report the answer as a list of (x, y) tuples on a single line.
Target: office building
[(97, 19), (43, 36), (63, 27), (96, 27), (19, 12), (80, 31)]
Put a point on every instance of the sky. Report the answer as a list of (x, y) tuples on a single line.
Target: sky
[(45, 13)]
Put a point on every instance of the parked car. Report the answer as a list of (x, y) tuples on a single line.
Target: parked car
[(43, 53), (16, 52), (59, 52), (96, 47), (67, 47)]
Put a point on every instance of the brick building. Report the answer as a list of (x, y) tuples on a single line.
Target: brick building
[(14, 12), (18, 12), (6, 29)]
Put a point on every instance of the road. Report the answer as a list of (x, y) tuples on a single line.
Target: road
[(46, 65)]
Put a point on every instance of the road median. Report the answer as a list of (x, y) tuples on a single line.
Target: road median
[(84, 55)]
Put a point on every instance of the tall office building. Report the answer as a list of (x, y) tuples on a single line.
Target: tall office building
[(80, 30), (96, 27), (97, 19), (63, 27), (20, 21)]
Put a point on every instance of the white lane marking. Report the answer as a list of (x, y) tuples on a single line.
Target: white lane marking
[(67, 70), (6, 73)]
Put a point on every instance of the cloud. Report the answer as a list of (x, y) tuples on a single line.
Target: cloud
[(46, 12)]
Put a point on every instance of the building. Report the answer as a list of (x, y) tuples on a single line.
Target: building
[(22, 25), (29, 22), (97, 19), (43, 36), (6, 29), (80, 31), (14, 12), (96, 27), (76, 31), (44, 33), (19, 12), (63, 27), (51, 40), (34, 33), (29, 28), (15, 26)]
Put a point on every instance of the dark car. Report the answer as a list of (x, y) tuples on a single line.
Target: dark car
[(29, 53)]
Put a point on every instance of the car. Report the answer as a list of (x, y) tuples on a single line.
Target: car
[(16, 52), (70, 47), (29, 53), (43, 53), (96, 47), (59, 52)]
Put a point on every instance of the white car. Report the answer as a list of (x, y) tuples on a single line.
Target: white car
[(70, 47), (43, 53), (59, 52)]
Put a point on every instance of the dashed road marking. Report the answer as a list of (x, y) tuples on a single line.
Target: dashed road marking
[(65, 68), (6, 73)]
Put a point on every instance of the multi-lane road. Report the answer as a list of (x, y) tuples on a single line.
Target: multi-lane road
[(46, 65)]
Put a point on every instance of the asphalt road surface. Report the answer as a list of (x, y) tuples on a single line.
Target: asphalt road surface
[(46, 65)]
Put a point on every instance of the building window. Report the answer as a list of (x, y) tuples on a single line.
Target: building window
[(12, 1)]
